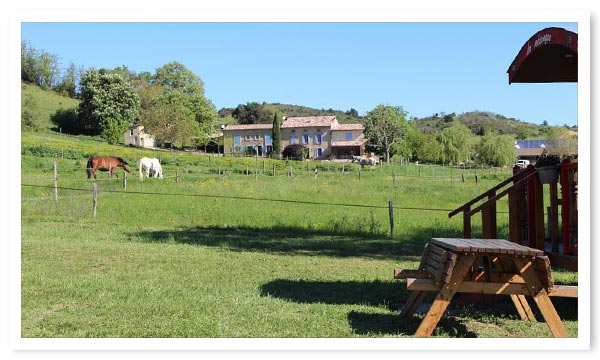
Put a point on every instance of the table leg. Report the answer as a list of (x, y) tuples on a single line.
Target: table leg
[(519, 301), (412, 304), (523, 307), (445, 295), (540, 296)]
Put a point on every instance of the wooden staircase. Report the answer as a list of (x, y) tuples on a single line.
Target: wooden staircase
[(525, 193)]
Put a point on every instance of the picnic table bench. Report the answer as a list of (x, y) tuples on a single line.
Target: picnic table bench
[(482, 266)]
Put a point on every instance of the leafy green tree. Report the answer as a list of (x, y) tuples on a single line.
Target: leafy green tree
[(295, 152), (173, 107), (276, 135), (433, 150), (455, 141), (30, 116), (108, 104), (38, 67), (67, 121), (170, 119), (416, 140), (497, 150), (68, 84), (252, 113), (28, 63), (176, 76), (386, 128)]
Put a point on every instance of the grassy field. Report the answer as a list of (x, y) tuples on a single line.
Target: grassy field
[(227, 247)]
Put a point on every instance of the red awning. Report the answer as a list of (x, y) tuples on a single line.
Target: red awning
[(548, 56)]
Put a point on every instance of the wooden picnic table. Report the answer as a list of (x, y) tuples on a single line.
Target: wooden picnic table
[(482, 266)]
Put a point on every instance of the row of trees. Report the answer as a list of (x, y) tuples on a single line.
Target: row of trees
[(170, 104), (389, 133), (43, 69)]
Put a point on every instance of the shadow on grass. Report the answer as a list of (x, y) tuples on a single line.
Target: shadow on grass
[(391, 295), (388, 324), (299, 241), (369, 293)]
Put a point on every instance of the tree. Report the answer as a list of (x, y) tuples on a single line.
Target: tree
[(295, 151), (385, 128), (68, 84), (455, 142), (30, 116), (173, 107), (252, 113), (108, 105), (176, 76), (38, 67), (416, 140), (276, 136), (497, 150)]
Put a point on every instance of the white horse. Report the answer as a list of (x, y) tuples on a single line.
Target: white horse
[(150, 165), (372, 161)]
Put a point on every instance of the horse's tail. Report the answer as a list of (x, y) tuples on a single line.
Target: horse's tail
[(89, 168)]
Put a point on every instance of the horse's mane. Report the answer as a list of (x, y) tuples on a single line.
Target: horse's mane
[(121, 160)]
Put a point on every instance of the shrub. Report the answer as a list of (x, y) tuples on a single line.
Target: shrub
[(295, 151)]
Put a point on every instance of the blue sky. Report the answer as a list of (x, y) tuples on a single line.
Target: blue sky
[(425, 67)]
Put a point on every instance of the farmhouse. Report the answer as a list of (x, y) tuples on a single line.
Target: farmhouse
[(135, 136), (323, 136)]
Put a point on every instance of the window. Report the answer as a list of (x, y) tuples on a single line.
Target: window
[(247, 137), (293, 139), (318, 152), (131, 133), (268, 139), (237, 139), (348, 136), (318, 138), (306, 139), (256, 137)]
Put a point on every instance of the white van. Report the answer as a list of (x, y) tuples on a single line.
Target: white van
[(522, 163)]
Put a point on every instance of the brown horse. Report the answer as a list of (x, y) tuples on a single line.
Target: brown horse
[(107, 163)]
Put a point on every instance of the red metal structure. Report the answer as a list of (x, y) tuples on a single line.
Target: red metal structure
[(548, 56)]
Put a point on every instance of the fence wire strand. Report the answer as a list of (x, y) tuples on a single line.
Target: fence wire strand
[(241, 198)]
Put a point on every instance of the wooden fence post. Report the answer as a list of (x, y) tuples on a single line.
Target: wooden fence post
[(176, 176), (95, 198), (391, 210), (124, 181), (55, 182)]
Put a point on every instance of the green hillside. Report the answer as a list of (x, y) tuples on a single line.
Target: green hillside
[(480, 123), (44, 103)]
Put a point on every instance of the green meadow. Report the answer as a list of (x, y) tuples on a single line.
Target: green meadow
[(240, 247)]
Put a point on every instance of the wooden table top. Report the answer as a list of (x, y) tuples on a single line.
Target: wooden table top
[(487, 246)]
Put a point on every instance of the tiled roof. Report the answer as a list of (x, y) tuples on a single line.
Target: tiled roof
[(348, 127), (296, 122), (249, 127), (529, 152)]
